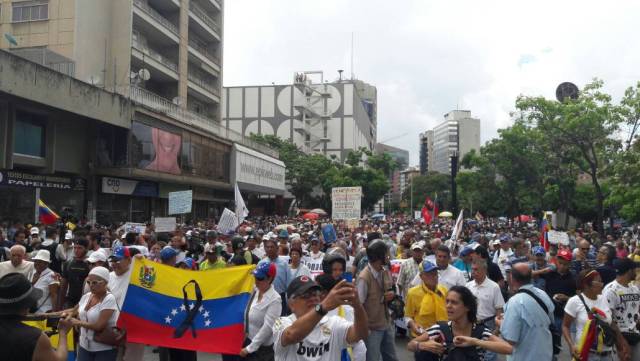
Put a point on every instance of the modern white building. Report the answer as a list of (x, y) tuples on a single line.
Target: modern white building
[(330, 118), (458, 134)]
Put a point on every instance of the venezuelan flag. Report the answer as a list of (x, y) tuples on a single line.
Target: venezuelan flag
[(544, 233), (191, 310), (47, 216)]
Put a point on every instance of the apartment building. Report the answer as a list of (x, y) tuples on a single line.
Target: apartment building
[(457, 134)]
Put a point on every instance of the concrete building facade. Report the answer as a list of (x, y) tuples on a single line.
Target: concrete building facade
[(426, 152), (406, 176), (90, 153), (458, 134), (165, 51), (330, 118)]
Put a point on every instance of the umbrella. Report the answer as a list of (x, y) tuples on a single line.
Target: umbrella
[(445, 214), (311, 216), (378, 216), (319, 211), (524, 218)]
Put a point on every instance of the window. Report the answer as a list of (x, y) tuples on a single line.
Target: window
[(30, 11), (28, 135)]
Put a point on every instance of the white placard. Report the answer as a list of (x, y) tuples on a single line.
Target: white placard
[(346, 202), (314, 265), (417, 215), (165, 224), (228, 221), (556, 237), (131, 227), (180, 202)]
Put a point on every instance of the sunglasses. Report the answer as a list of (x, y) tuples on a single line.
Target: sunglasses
[(93, 283)]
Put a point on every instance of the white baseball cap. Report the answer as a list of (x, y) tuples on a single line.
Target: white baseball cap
[(68, 235), (97, 256), (34, 230)]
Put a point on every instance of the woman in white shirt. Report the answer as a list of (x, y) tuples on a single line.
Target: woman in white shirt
[(263, 309), (43, 278), (95, 312), (590, 284), (296, 268)]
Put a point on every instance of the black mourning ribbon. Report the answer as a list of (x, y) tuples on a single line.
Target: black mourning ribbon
[(191, 313)]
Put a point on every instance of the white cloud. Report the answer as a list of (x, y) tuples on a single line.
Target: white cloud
[(428, 57)]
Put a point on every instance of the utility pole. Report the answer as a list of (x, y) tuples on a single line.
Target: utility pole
[(454, 192)]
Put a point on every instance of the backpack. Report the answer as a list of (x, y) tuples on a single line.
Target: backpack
[(453, 353), (556, 337)]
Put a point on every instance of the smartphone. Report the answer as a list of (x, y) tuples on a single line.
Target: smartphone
[(52, 321), (348, 276)]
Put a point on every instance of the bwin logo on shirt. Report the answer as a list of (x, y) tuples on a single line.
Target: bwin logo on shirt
[(316, 351)]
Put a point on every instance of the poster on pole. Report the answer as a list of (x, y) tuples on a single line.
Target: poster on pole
[(346, 202), (228, 221), (180, 202), (165, 224)]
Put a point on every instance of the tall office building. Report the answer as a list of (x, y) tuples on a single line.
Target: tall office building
[(401, 157), (458, 134), (330, 118), (426, 152), (166, 53)]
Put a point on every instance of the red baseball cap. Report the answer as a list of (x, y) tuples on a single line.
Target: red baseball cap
[(565, 254)]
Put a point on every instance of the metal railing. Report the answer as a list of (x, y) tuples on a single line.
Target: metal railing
[(202, 49), (151, 53), (200, 13), (198, 78), (157, 16), (159, 104)]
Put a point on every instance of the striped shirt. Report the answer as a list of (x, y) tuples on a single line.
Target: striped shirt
[(435, 333)]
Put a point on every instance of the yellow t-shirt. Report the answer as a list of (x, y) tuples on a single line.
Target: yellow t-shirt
[(426, 307)]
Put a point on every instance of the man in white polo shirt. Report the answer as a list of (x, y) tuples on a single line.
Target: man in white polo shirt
[(448, 275), (490, 300)]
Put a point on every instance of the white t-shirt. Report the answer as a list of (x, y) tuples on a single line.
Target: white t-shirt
[(625, 305), (25, 268), (501, 258), (489, 297), (575, 309), (46, 279), (324, 343), (118, 285), (92, 316)]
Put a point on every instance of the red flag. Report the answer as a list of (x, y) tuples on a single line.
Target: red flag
[(436, 211), (427, 210)]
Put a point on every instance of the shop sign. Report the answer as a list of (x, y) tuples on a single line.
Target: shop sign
[(254, 168), (21, 179), (129, 187)]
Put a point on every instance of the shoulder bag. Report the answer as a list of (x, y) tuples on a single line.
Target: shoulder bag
[(113, 335)]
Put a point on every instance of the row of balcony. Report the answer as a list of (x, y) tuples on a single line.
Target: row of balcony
[(157, 16), (200, 79), (202, 15), (161, 105)]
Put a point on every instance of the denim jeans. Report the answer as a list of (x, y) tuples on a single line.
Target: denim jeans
[(381, 343), (488, 355)]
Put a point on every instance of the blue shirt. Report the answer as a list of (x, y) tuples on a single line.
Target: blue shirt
[(464, 267), (527, 326), (281, 281)]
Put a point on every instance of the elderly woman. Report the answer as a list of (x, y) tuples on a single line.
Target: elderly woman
[(264, 308), (44, 279), (96, 311)]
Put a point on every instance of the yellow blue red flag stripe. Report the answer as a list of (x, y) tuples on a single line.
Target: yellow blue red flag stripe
[(162, 307)]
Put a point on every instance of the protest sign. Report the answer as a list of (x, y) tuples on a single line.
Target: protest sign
[(557, 237), (228, 221), (180, 202), (131, 227), (329, 233), (417, 215), (165, 224), (346, 202)]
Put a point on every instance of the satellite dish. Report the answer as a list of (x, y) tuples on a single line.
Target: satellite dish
[(144, 74), (133, 75), (566, 90)]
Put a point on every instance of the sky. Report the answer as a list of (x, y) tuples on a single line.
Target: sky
[(428, 57)]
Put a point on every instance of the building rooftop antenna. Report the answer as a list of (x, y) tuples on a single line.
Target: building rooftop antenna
[(352, 75)]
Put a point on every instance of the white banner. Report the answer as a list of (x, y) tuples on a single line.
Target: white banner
[(165, 224), (180, 202), (556, 237), (457, 228), (346, 202), (228, 221), (254, 168), (241, 209)]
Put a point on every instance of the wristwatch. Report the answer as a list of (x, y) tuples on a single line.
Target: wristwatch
[(320, 310)]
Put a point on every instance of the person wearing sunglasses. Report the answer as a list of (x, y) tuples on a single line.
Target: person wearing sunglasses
[(95, 312), (309, 333), (262, 311)]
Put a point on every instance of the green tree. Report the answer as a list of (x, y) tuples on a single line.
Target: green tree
[(587, 125), (625, 193), (430, 185)]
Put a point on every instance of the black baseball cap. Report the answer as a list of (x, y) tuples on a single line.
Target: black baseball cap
[(300, 285), (624, 265)]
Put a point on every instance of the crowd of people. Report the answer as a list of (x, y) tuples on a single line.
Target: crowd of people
[(330, 291)]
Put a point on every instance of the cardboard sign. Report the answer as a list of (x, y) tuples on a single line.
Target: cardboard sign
[(165, 224), (346, 202), (131, 227), (180, 202)]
